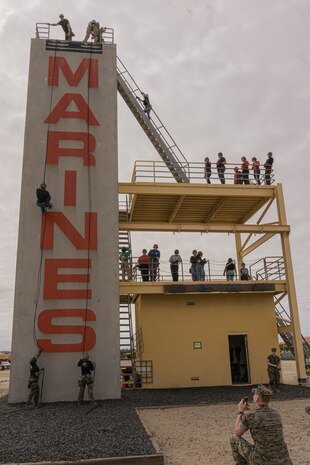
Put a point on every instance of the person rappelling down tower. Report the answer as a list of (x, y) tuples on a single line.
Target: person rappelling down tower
[(33, 382), (86, 379), (43, 197)]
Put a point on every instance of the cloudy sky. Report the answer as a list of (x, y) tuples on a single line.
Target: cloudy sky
[(223, 75)]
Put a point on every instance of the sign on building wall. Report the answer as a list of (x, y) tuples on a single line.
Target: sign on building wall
[(66, 295)]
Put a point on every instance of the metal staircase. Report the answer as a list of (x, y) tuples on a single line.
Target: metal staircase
[(283, 320), (153, 128)]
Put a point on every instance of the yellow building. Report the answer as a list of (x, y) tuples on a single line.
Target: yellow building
[(212, 332)]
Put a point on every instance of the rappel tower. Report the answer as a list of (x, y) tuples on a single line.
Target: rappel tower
[(72, 301)]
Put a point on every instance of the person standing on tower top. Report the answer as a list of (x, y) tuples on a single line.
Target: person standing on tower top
[(65, 24)]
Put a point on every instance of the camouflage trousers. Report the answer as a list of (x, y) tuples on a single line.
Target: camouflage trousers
[(274, 376), (242, 451), (34, 393), (84, 381)]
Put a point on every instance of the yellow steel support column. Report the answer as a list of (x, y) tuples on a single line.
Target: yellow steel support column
[(291, 291), (238, 250)]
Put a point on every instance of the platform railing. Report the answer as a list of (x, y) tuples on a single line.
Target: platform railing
[(272, 270), (268, 268), (157, 171), (43, 32)]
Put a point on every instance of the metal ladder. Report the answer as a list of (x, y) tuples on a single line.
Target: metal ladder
[(283, 319), (153, 128)]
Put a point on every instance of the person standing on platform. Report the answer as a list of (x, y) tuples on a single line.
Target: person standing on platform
[(237, 175), (65, 24), (268, 168), (220, 166), (143, 263), (174, 261), (230, 270), (245, 171), (244, 273), (208, 171), (86, 379), (265, 426), (43, 197), (273, 369), (256, 170), (33, 382), (194, 265), (146, 104), (124, 257), (201, 267), (154, 255)]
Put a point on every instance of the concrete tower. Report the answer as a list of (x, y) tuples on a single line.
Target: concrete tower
[(66, 295)]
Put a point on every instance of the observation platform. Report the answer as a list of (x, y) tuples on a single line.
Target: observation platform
[(210, 287), (196, 207)]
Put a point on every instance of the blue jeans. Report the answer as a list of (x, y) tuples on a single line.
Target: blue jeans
[(194, 271)]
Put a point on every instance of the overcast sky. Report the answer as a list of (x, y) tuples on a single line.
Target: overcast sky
[(223, 75)]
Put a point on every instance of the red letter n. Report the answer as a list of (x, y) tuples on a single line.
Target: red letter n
[(52, 278), (73, 79), (88, 242), (54, 151)]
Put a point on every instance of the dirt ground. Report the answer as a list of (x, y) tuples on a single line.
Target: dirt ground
[(199, 435), (4, 382)]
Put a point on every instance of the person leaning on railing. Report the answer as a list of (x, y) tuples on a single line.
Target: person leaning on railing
[(65, 24), (256, 170), (245, 171), (194, 265)]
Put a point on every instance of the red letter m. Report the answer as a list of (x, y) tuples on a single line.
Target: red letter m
[(72, 78)]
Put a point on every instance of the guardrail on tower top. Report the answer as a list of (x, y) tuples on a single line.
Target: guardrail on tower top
[(43, 32), (157, 171)]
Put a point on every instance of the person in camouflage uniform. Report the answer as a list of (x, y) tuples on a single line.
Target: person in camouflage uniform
[(273, 369), (33, 382), (265, 426), (86, 379)]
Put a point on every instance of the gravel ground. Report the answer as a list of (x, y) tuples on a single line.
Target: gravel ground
[(66, 431)]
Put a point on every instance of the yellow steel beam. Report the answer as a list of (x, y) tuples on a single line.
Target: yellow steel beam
[(265, 210), (257, 243), (216, 190), (291, 291), (285, 329), (214, 210), (202, 227), (176, 208), (278, 299), (239, 253), (252, 212)]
